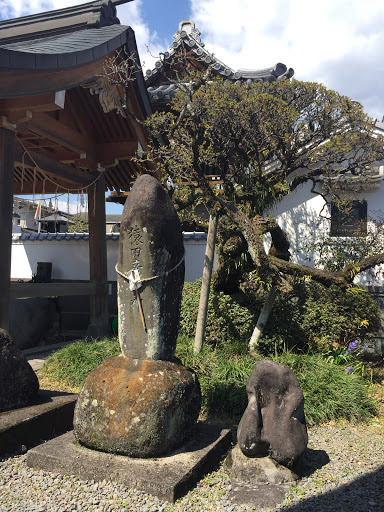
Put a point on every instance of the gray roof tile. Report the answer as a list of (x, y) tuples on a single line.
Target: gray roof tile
[(36, 237), (188, 35), (63, 50)]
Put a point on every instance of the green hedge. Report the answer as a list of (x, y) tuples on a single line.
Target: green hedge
[(309, 318)]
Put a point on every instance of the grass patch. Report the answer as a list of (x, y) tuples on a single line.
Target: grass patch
[(69, 366), (330, 393)]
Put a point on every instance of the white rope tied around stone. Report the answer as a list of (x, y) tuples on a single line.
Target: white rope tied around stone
[(134, 277)]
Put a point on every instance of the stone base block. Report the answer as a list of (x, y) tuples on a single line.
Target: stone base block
[(167, 477), (258, 482), (251, 470), (50, 413), (261, 496)]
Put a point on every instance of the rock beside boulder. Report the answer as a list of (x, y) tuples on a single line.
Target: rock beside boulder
[(33, 321), (274, 422), (18, 382), (139, 408)]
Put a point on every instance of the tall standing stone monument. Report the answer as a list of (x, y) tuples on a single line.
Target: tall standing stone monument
[(144, 402)]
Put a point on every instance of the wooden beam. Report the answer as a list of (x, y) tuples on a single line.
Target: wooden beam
[(124, 150), (48, 127), (40, 81), (19, 290), (42, 103), (7, 155), (99, 322), (52, 167), (45, 187)]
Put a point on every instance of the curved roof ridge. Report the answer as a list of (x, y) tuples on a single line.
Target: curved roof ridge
[(189, 36)]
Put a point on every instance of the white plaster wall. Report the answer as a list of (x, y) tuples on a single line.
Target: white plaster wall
[(70, 258), (303, 216)]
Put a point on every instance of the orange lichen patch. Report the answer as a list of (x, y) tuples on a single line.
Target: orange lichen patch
[(137, 407)]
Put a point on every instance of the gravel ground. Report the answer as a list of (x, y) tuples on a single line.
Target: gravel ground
[(342, 470)]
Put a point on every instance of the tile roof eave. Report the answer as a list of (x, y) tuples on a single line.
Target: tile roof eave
[(64, 51)]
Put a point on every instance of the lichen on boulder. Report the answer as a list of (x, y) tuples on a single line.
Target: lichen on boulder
[(140, 408)]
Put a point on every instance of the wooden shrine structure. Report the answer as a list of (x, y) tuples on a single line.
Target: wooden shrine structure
[(63, 128)]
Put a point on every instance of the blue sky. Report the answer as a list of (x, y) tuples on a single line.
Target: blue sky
[(336, 42)]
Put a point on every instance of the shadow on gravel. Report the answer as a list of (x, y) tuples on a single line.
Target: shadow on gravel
[(310, 461), (362, 494)]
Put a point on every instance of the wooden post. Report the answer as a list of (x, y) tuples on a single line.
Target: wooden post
[(99, 321), (7, 162), (206, 283)]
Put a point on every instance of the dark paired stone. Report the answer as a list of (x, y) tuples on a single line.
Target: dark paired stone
[(151, 242), (140, 408), (274, 422), (18, 382)]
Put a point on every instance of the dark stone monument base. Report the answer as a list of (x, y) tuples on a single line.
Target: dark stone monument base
[(50, 413), (167, 477)]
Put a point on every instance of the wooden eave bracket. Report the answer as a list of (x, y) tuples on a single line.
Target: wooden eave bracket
[(5, 123)]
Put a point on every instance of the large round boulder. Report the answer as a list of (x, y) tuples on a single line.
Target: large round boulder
[(139, 408)]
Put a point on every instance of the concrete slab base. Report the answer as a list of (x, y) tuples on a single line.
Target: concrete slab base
[(167, 477), (262, 496), (51, 413)]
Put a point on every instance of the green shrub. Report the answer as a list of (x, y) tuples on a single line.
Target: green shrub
[(228, 320), (333, 315), (330, 393), (308, 318), (311, 317)]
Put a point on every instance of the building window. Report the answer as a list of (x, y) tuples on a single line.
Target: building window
[(349, 218)]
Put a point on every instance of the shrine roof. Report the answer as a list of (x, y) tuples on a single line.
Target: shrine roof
[(94, 14), (188, 36), (69, 120), (64, 50), (62, 38)]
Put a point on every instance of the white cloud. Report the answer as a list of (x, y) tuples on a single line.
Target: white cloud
[(18, 8), (148, 43), (337, 43)]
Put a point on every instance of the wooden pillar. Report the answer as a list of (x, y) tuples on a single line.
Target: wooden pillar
[(7, 162), (206, 282), (99, 321)]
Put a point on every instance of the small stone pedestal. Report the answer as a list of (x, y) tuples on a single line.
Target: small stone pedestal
[(259, 482), (250, 470), (168, 477)]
